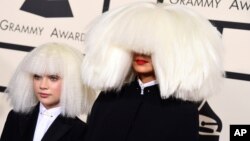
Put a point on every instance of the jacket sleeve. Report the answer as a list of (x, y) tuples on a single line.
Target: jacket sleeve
[(10, 127), (189, 123), (95, 108), (94, 119), (78, 131)]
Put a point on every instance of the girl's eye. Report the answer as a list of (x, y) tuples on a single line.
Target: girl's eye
[(54, 77), (37, 77)]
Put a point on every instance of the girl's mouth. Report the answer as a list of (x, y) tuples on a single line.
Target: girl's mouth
[(43, 95)]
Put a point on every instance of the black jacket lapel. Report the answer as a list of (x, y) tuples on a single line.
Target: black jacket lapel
[(27, 124), (57, 129)]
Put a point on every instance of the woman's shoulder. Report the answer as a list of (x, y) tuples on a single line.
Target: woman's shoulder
[(79, 121), (181, 104), (75, 123), (74, 120)]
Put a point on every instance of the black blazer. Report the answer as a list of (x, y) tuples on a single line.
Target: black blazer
[(129, 116), (21, 127)]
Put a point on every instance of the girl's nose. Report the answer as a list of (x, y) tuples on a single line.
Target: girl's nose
[(44, 83)]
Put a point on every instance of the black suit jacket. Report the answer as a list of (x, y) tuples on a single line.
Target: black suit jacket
[(21, 127), (129, 116)]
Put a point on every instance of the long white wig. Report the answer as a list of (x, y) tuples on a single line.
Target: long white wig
[(184, 46), (51, 59)]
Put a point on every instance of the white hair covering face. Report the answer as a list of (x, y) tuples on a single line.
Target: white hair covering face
[(51, 59), (185, 49)]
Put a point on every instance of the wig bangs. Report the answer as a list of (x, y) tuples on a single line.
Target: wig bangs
[(45, 62), (142, 29)]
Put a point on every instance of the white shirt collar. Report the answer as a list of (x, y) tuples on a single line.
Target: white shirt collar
[(144, 85), (53, 112)]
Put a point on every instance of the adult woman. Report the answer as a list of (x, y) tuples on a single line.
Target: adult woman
[(152, 62)]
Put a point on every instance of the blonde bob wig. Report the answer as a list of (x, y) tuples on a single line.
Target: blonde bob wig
[(51, 59), (185, 49)]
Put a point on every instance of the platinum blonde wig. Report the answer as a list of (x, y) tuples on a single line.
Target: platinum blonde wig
[(185, 49), (51, 59)]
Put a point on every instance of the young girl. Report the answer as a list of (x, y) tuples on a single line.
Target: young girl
[(152, 63), (47, 96)]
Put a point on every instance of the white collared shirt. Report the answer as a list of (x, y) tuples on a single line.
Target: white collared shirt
[(144, 85), (45, 119)]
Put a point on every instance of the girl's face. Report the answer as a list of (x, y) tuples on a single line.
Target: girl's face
[(143, 66), (47, 89)]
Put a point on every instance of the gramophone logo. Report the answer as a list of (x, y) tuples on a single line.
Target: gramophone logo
[(48, 8), (210, 124)]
